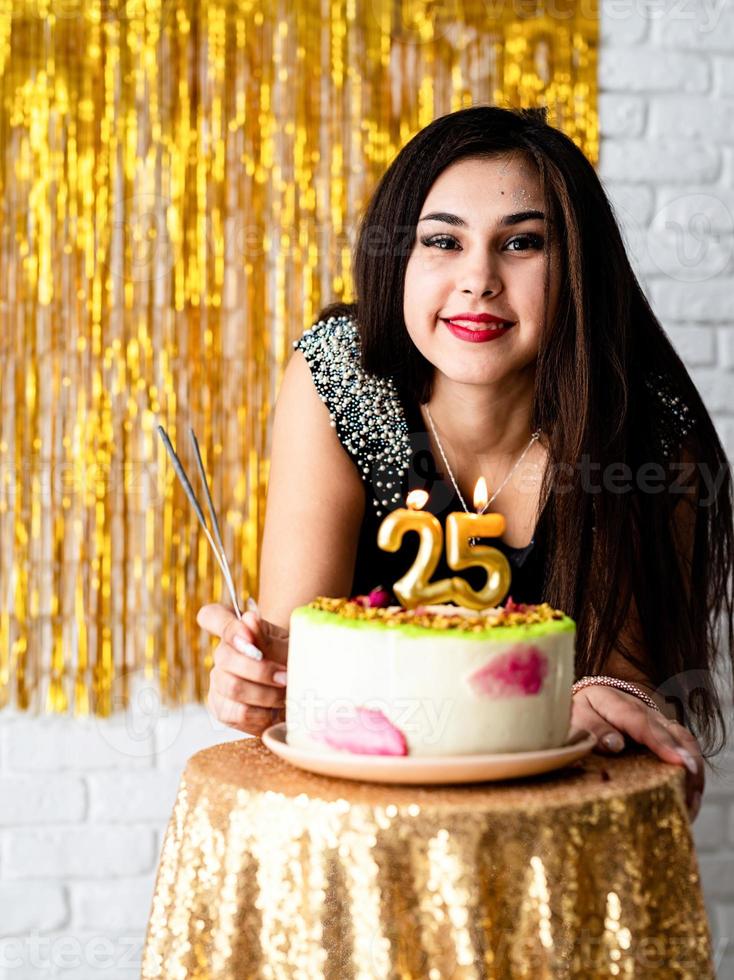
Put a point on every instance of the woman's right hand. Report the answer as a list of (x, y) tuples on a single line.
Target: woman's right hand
[(245, 693)]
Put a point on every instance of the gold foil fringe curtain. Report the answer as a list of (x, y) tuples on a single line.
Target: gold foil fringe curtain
[(181, 187)]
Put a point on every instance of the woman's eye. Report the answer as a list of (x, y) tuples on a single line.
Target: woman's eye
[(536, 241), (440, 241), (444, 242)]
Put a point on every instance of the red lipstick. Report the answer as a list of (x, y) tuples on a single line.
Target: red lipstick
[(473, 335)]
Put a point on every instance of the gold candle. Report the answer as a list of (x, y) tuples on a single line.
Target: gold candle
[(414, 587), (462, 553)]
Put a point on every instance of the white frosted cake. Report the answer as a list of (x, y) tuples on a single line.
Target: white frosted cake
[(432, 680)]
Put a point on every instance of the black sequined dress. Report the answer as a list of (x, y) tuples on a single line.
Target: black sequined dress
[(386, 438)]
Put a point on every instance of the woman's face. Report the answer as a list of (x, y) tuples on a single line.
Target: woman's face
[(476, 264)]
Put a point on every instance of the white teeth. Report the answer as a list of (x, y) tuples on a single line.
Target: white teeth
[(472, 325)]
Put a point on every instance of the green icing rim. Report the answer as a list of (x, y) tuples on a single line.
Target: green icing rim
[(565, 625)]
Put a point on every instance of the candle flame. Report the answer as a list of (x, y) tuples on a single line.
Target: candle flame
[(481, 496), (416, 499)]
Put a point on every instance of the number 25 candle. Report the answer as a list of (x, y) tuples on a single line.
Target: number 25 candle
[(414, 587)]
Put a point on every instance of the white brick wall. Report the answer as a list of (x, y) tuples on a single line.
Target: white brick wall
[(83, 806)]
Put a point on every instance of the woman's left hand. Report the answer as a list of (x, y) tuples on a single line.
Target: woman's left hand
[(606, 711)]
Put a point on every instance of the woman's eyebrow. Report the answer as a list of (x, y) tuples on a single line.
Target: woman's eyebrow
[(508, 219)]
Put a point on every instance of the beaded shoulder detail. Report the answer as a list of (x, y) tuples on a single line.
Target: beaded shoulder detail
[(674, 419), (365, 410)]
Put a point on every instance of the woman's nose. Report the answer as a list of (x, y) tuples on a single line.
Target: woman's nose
[(479, 276)]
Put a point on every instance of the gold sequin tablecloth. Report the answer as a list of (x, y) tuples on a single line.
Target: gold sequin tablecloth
[(270, 871)]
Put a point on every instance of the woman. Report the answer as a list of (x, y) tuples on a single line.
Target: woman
[(574, 407)]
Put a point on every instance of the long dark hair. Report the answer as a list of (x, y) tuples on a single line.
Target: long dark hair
[(610, 393)]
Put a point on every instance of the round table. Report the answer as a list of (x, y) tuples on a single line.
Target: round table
[(270, 871)]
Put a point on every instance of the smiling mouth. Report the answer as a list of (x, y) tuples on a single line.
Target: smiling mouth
[(475, 325)]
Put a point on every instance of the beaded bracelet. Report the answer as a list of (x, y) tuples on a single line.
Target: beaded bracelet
[(615, 682)]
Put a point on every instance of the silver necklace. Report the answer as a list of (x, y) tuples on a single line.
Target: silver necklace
[(533, 438)]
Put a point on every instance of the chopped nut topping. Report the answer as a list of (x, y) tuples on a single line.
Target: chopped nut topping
[(464, 619)]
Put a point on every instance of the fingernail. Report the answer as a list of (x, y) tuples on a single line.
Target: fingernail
[(613, 741), (250, 619), (253, 606), (249, 649), (688, 759), (280, 676)]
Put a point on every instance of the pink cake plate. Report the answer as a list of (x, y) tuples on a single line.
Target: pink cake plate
[(428, 769)]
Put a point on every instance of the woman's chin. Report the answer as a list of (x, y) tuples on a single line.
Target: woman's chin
[(488, 375), (486, 365)]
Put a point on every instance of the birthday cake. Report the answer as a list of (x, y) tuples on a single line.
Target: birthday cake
[(430, 680)]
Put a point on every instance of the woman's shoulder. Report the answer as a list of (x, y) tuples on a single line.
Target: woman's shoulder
[(365, 410), (331, 346)]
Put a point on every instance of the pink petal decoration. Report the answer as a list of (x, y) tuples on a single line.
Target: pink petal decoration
[(512, 606), (379, 597), (368, 733), (519, 672)]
